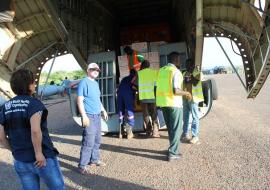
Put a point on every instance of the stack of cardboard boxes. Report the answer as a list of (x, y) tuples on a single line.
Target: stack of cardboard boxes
[(146, 49)]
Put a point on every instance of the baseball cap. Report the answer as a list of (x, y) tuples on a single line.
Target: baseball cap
[(93, 66)]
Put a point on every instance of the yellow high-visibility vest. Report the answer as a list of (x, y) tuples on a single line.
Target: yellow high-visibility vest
[(146, 82), (165, 96), (197, 92)]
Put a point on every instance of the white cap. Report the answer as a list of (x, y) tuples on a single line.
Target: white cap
[(93, 66)]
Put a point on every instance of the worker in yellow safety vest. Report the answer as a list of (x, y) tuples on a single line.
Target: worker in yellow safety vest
[(134, 58), (192, 84), (146, 86), (169, 97)]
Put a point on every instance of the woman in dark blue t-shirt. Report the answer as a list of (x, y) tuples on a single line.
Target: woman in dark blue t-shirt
[(23, 130)]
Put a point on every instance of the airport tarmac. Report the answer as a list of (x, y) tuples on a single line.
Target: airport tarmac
[(234, 152)]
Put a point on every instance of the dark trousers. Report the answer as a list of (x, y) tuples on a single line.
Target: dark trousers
[(91, 139), (150, 111), (173, 119), (125, 104)]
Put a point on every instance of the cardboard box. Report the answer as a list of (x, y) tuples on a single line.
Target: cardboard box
[(153, 56), (122, 60), (141, 47), (154, 65), (154, 46), (145, 55)]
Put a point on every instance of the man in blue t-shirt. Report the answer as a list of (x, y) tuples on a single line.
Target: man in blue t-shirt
[(90, 108), (23, 130)]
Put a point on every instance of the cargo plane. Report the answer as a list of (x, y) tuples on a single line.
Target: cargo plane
[(34, 31)]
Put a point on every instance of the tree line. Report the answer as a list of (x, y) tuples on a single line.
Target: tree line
[(59, 76)]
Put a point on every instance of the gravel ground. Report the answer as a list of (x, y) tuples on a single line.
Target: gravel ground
[(234, 152)]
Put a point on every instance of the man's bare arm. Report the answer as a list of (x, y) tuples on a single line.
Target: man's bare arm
[(3, 139), (180, 92), (80, 105), (36, 136), (85, 119)]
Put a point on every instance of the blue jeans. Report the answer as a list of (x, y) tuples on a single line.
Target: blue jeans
[(91, 139), (190, 107), (30, 175)]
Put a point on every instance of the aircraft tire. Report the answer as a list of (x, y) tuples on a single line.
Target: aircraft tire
[(214, 89)]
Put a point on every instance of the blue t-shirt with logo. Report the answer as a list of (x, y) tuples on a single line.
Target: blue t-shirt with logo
[(15, 117), (89, 89)]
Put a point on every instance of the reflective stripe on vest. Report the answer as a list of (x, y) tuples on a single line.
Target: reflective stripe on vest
[(147, 78), (197, 92), (164, 95)]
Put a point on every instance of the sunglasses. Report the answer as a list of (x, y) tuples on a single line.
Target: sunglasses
[(95, 69)]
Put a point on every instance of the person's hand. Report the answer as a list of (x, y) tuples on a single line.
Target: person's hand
[(40, 160), (85, 121), (188, 96), (104, 115)]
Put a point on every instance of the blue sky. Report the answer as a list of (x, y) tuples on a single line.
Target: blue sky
[(212, 56)]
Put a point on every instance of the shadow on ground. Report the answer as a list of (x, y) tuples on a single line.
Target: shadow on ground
[(10, 181), (146, 153)]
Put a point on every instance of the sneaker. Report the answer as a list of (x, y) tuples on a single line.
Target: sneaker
[(194, 140), (156, 135), (174, 157), (84, 171), (99, 163), (185, 138), (155, 132)]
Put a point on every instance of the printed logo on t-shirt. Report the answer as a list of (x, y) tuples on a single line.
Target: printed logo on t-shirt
[(8, 105), (18, 105)]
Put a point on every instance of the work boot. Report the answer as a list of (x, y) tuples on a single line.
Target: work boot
[(194, 140), (185, 138), (123, 133), (149, 131), (129, 132), (155, 133)]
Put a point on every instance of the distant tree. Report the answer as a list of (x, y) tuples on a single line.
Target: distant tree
[(59, 76)]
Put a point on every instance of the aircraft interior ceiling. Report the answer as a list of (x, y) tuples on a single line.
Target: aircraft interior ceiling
[(43, 29)]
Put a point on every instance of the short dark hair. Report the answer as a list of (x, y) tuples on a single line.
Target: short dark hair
[(190, 64), (173, 56), (20, 81), (145, 64), (128, 50)]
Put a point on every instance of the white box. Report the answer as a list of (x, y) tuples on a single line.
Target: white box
[(140, 47), (153, 56), (145, 55), (154, 65), (154, 46), (122, 60)]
